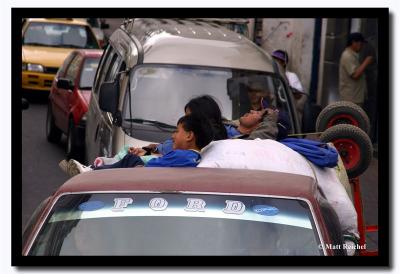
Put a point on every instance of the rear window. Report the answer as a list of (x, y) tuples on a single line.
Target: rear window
[(59, 35), (177, 224)]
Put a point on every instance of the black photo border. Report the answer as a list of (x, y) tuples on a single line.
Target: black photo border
[(385, 20)]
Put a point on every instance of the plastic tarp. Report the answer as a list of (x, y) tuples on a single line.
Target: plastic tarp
[(273, 156)]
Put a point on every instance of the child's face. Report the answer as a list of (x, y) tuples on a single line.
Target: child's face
[(181, 138)]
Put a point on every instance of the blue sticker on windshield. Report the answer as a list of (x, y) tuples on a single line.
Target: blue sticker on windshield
[(91, 205), (265, 210)]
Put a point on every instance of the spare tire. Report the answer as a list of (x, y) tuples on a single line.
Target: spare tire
[(342, 112), (353, 145)]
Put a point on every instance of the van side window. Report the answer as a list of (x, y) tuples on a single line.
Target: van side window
[(103, 68), (110, 69), (282, 102), (100, 69), (113, 69)]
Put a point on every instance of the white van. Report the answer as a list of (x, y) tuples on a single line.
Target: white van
[(153, 67)]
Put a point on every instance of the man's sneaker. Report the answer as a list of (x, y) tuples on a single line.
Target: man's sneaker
[(75, 168)]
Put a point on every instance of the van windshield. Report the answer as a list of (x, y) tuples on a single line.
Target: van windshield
[(160, 93)]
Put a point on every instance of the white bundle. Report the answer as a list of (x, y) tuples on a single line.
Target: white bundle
[(273, 156)]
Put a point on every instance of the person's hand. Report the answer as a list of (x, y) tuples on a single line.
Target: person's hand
[(297, 95), (98, 162), (137, 151), (269, 111), (369, 60), (152, 147)]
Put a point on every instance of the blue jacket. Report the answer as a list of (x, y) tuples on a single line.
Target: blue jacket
[(316, 152), (176, 158)]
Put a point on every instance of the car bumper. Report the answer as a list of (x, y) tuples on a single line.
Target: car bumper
[(37, 81)]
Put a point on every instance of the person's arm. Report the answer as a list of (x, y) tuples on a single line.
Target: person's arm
[(360, 70), (147, 158), (294, 82), (176, 158), (164, 148), (268, 128)]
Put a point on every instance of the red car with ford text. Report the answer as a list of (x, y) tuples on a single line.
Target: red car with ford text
[(185, 211), (69, 98)]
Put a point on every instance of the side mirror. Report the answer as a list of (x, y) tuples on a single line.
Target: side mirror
[(108, 97), (104, 25), (64, 83), (25, 104)]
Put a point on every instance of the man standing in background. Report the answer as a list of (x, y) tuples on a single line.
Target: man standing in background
[(352, 84)]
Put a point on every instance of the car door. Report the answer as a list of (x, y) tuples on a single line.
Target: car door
[(55, 97), (63, 97)]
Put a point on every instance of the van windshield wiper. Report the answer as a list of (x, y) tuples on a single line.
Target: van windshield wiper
[(151, 122)]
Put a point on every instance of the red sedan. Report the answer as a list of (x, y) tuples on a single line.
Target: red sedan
[(184, 211), (69, 98)]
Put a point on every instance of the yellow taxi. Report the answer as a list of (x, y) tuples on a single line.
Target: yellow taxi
[(46, 42)]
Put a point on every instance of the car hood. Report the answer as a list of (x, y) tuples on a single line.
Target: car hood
[(46, 56)]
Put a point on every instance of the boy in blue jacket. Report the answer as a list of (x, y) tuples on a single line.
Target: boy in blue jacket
[(191, 135)]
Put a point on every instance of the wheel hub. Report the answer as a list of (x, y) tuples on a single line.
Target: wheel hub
[(343, 119), (349, 151)]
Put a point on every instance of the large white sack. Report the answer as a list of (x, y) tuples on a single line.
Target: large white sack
[(254, 154), (273, 156), (338, 198)]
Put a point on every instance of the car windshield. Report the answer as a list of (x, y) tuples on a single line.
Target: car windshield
[(59, 35), (88, 72), (177, 224), (169, 88)]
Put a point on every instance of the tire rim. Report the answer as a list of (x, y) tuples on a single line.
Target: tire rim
[(343, 119), (349, 151)]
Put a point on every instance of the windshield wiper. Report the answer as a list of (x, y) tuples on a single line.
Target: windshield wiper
[(37, 44), (152, 122)]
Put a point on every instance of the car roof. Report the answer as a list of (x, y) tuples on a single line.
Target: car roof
[(196, 42), (199, 180), (69, 21)]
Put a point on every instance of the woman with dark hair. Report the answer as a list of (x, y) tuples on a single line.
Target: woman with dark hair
[(206, 106)]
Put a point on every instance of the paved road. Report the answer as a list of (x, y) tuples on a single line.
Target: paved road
[(369, 190), (41, 175)]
